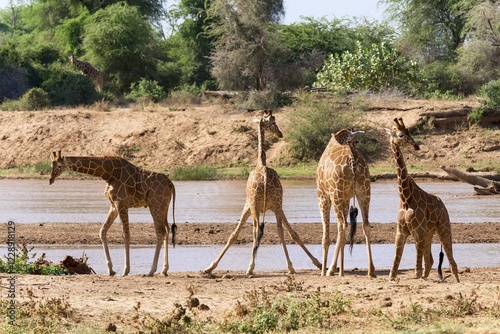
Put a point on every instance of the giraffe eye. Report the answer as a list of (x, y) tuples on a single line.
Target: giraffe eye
[(400, 135)]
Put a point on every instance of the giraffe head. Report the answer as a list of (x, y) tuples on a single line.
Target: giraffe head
[(58, 166), (268, 123), (347, 137), (400, 135)]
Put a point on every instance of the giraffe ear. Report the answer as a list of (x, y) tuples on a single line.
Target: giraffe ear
[(391, 133)]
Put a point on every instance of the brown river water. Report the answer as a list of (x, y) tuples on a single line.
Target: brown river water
[(34, 201)]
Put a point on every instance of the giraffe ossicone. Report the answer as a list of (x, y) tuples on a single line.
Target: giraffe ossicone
[(342, 173), (128, 186), (420, 214), (263, 192)]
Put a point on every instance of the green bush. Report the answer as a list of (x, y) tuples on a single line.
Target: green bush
[(35, 99), (201, 172), (69, 88), (314, 121), (376, 68), (491, 93), (146, 90), (23, 264)]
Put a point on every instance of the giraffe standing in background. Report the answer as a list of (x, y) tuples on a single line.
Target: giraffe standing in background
[(264, 192), (90, 71), (127, 187), (341, 174), (420, 214)]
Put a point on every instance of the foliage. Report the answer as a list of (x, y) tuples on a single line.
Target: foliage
[(264, 99), (375, 68), (313, 122), (34, 99), (491, 93), (262, 312), (243, 35), (23, 263), (69, 88), (13, 82), (120, 43), (193, 173), (430, 29), (146, 90)]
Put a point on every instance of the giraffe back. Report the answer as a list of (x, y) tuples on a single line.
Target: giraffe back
[(265, 179)]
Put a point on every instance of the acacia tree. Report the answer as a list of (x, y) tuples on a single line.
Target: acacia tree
[(243, 32), (433, 29)]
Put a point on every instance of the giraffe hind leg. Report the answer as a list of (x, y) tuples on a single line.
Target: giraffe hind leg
[(104, 239), (280, 219)]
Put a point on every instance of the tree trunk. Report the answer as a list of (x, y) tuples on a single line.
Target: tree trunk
[(488, 187)]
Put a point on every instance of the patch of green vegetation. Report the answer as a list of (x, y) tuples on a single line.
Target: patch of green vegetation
[(194, 173), (21, 261)]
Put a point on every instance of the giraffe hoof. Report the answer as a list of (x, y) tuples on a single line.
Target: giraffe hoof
[(112, 273)]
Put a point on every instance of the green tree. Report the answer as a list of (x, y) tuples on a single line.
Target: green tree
[(243, 32), (189, 47), (120, 43), (431, 29)]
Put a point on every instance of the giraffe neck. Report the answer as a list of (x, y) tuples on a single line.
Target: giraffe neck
[(405, 182), (261, 159), (99, 167)]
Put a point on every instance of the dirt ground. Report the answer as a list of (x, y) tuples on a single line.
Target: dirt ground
[(162, 137)]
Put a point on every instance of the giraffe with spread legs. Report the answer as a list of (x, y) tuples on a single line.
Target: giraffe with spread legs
[(342, 173), (420, 214), (263, 192), (89, 71), (128, 186)]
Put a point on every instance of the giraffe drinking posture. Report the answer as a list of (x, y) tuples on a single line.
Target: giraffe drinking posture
[(127, 187), (341, 174), (420, 214), (90, 71), (264, 192)]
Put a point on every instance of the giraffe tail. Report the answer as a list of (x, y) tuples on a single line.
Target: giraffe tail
[(174, 226), (440, 263), (353, 214)]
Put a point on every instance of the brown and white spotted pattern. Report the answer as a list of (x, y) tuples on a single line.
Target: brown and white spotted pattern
[(89, 70), (127, 187), (263, 192), (420, 213), (341, 174)]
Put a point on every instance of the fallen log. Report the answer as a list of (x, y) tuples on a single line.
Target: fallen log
[(488, 187), (225, 94)]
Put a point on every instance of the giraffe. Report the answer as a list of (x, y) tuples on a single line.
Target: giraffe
[(420, 214), (263, 192), (342, 173), (90, 71), (127, 187)]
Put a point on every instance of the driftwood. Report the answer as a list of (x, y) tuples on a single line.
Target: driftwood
[(224, 94), (77, 266), (486, 186)]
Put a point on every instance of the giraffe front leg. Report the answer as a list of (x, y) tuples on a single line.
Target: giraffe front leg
[(258, 231), (428, 260), (420, 248), (232, 239), (401, 235), (298, 241), (280, 218), (112, 214)]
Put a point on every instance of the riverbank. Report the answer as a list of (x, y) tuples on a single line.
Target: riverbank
[(218, 233)]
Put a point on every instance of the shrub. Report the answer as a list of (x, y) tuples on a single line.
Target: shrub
[(375, 68), (202, 172), (146, 90), (312, 123), (35, 99), (491, 93), (69, 88)]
